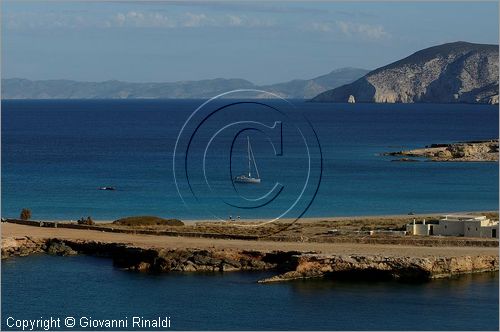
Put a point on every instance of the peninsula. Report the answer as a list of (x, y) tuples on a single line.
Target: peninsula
[(306, 249)]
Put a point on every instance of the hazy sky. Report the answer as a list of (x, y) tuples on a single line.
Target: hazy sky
[(262, 42)]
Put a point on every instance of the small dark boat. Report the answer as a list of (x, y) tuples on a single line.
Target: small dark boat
[(107, 188)]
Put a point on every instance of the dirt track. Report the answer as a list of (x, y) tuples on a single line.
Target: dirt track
[(148, 241)]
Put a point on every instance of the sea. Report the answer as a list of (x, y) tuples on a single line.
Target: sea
[(325, 161), (177, 159), (41, 287)]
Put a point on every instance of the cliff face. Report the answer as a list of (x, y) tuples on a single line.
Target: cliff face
[(294, 264), (450, 73), (385, 268)]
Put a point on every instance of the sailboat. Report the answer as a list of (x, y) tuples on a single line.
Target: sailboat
[(248, 178)]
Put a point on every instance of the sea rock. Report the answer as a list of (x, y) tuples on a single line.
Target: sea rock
[(59, 249), (142, 266)]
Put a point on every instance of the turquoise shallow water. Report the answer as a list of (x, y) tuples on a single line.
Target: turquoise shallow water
[(40, 286), (56, 154)]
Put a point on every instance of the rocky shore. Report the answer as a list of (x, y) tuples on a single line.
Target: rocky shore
[(355, 267), (464, 151), (289, 265)]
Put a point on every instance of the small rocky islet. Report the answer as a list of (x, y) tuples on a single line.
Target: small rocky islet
[(471, 151)]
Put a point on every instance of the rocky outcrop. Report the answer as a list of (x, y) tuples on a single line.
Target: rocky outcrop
[(152, 260), (466, 151), (25, 246), (450, 73), (59, 248), (21, 247), (385, 268), (194, 260), (292, 264)]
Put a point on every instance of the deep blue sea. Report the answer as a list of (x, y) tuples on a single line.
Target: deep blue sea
[(56, 154), (41, 286)]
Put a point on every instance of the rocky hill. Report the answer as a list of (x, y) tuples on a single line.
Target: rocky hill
[(457, 72), (17, 88), (306, 89)]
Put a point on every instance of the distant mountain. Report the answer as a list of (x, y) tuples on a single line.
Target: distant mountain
[(457, 72), (306, 89), (17, 88)]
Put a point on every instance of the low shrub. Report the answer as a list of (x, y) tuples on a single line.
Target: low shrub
[(148, 221), (86, 221)]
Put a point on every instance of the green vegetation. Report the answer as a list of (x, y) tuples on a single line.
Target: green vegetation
[(148, 221), (25, 214)]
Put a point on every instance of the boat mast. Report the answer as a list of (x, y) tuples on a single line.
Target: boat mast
[(253, 159), (249, 167)]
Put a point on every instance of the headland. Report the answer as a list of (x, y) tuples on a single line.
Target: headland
[(305, 249), (478, 151)]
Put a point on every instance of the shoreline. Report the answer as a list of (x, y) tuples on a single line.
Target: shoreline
[(290, 260), (368, 230), (304, 219)]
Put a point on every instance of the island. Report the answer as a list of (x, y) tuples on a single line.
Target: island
[(462, 151)]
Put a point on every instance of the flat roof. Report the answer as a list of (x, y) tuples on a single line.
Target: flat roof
[(463, 216)]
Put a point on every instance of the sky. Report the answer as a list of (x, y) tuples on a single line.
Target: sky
[(263, 42)]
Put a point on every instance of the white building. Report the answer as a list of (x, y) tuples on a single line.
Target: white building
[(456, 225), (422, 228)]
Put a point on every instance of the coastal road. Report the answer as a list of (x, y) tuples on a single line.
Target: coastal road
[(169, 242)]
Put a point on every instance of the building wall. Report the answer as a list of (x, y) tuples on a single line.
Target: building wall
[(472, 228), (418, 229), (449, 228), (481, 228), (487, 231)]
